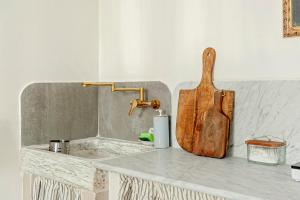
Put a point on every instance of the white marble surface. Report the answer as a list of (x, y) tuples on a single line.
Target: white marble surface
[(232, 178), (261, 108), (78, 169)]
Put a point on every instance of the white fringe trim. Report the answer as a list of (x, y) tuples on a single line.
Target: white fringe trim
[(138, 189), (47, 189)]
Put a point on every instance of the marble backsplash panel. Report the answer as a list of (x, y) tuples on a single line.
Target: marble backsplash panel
[(58, 111), (261, 108), (114, 121)]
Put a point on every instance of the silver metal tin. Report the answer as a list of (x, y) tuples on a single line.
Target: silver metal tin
[(59, 146)]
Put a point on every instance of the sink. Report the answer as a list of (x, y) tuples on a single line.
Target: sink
[(103, 148), (78, 167), (90, 153)]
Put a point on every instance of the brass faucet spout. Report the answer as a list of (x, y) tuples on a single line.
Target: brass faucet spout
[(136, 103), (91, 84)]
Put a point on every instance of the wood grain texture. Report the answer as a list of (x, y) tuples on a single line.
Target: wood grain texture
[(193, 105), (213, 138), (264, 143)]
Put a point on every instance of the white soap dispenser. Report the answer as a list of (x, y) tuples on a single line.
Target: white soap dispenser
[(161, 130)]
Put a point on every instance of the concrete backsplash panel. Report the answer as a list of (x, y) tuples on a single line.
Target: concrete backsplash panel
[(114, 121), (58, 111)]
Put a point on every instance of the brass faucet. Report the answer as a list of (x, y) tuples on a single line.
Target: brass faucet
[(135, 103)]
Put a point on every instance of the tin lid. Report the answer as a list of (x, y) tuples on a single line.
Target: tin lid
[(265, 143)]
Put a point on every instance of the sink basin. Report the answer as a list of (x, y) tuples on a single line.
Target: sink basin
[(78, 167), (90, 153), (101, 148)]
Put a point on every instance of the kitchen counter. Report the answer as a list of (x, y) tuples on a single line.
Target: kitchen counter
[(78, 168), (232, 178)]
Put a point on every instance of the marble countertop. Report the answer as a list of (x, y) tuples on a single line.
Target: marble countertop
[(232, 178)]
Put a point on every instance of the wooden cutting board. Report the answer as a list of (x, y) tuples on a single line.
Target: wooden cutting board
[(213, 138), (193, 106)]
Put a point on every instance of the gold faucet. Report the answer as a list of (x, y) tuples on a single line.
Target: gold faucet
[(135, 103)]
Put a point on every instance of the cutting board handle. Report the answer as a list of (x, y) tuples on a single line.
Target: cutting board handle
[(208, 60)]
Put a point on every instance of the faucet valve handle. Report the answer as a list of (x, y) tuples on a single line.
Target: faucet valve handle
[(155, 104), (133, 105)]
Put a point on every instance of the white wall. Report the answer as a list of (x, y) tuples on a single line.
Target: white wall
[(163, 40), (56, 40), (40, 40)]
